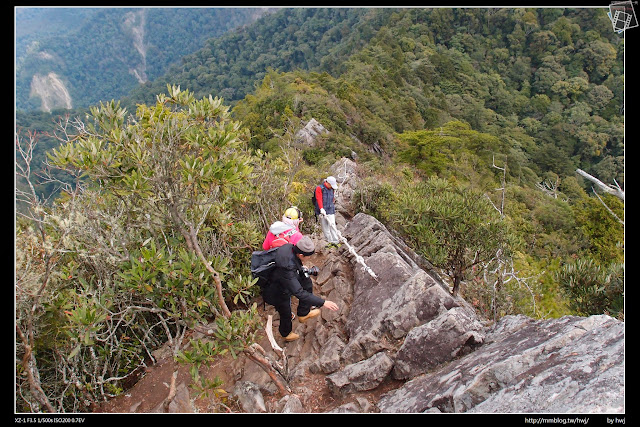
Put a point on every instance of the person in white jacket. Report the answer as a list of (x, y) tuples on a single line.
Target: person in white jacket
[(326, 208)]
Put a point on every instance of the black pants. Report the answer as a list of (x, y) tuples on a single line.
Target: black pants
[(282, 303)]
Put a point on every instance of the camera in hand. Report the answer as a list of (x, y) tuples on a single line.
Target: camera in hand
[(313, 271)]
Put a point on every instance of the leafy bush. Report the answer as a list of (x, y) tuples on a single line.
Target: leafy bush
[(592, 288), (453, 227), (145, 246)]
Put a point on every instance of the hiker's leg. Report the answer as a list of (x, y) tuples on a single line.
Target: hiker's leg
[(333, 234), (326, 228), (305, 308), (283, 307)]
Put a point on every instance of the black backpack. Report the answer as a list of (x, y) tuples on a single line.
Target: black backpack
[(262, 265)]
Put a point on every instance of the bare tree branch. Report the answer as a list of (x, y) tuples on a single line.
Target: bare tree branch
[(256, 353), (607, 207), (502, 189), (172, 392), (549, 188), (610, 189), (615, 190)]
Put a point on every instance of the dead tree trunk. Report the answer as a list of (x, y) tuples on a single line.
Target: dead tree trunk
[(610, 189), (615, 190)]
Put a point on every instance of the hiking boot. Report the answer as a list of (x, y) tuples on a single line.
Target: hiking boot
[(313, 313), (291, 337)]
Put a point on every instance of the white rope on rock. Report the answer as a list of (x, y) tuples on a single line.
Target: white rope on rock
[(352, 251), (344, 175)]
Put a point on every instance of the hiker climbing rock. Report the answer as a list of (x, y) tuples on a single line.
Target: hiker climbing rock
[(290, 278), (323, 200), (326, 209), (285, 231)]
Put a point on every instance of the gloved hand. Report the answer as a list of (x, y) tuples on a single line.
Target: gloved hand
[(323, 212)]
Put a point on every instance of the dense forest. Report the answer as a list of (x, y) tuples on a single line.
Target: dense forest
[(468, 126), (97, 60)]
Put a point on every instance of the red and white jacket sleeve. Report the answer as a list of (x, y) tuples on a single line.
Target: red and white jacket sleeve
[(319, 196)]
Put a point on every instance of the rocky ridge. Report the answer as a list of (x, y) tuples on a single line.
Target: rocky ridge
[(402, 343)]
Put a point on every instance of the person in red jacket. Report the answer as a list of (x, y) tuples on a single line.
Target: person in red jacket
[(285, 231), (326, 208), (289, 278)]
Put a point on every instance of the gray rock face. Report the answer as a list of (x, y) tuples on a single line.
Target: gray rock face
[(307, 135), (364, 375), (329, 360), (447, 337), (359, 405), (571, 364), (289, 404), (403, 297), (456, 364), (249, 396)]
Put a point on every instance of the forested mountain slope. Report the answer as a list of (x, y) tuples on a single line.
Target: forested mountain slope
[(231, 65), (456, 93), (547, 80), (114, 51), (550, 80), (34, 24)]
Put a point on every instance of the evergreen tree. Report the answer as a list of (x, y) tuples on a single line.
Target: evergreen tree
[(179, 160), (455, 228)]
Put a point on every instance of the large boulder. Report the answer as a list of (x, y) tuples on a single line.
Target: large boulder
[(361, 376), (571, 364), (447, 337), (346, 173), (308, 134), (249, 396), (402, 296)]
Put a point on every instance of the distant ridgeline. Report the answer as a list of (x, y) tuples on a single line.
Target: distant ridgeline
[(114, 51)]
